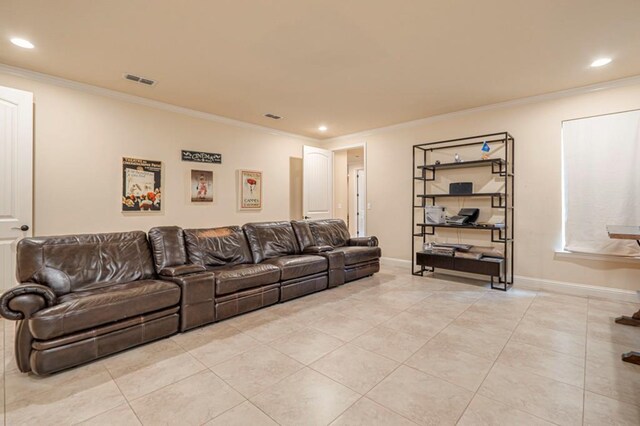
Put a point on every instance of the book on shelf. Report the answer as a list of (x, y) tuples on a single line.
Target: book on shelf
[(442, 251)]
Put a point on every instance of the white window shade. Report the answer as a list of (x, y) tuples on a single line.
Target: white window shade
[(601, 173)]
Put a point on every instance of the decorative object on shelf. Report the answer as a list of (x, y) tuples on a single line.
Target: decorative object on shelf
[(437, 162), (427, 187), (250, 189), (201, 157), (464, 216), (141, 185), (201, 186), (434, 215), (485, 150)]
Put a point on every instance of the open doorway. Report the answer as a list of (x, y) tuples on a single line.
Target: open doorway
[(349, 183)]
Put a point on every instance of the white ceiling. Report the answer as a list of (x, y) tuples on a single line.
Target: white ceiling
[(351, 65)]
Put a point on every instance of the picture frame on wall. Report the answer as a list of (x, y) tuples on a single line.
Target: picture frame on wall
[(141, 185), (250, 189), (201, 186)]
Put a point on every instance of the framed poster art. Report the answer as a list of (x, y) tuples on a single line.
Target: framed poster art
[(201, 186), (141, 185), (250, 182)]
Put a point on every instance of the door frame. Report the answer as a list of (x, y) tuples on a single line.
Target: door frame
[(361, 174), (362, 145)]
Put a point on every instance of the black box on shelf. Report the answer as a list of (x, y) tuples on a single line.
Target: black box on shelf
[(461, 188)]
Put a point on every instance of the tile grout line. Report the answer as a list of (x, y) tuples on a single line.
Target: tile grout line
[(475, 393), (229, 384), (268, 344), (123, 395), (584, 377), (344, 343), (207, 368), (353, 390), (403, 364), (496, 361)]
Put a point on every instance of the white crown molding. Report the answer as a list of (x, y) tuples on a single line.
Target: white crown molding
[(574, 289), (113, 94), (612, 84)]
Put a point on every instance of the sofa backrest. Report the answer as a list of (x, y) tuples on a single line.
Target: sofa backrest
[(167, 244), (303, 234), (329, 232), (271, 239), (217, 246), (78, 262)]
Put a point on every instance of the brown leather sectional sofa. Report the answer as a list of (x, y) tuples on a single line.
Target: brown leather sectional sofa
[(82, 297)]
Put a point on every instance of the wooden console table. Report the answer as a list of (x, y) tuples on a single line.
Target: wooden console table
[(627, 233)]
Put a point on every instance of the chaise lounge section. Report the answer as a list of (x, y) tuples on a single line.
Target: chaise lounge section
[(83, 297), (361, 255)]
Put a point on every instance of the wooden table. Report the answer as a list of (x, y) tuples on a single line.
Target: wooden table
[(627, 233)]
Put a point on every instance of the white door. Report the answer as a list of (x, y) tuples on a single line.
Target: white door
[(317, 183), (361, 197), (16, 162)]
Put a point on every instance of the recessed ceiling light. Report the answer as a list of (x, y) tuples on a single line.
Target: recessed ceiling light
[(22, 43), (322, 128), (600, 62)]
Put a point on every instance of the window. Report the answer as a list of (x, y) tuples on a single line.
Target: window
[(601, 182)]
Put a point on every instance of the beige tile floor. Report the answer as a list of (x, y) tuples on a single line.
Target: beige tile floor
[(388, 350)]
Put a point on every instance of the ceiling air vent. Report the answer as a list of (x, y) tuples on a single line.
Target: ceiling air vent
[(141, 80), (273, 116)]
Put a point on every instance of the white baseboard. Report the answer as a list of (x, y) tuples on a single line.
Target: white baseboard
[(577, 289), (574, 289), (392, 261)]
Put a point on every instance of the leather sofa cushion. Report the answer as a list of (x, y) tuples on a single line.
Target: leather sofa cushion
[(299, 265), (303, 234), (271, 239), (234, 278), (73, 263), (217, 246), (359, 254), (167, 244), (330, 232), (92, 333), (86, 309)]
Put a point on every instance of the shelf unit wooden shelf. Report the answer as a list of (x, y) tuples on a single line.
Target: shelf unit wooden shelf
[(425, 173)]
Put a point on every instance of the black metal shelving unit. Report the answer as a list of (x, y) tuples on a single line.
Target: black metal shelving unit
[(501, 167)]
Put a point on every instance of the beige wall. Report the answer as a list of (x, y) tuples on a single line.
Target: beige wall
[(80, 139), (537, 131), (295, 188)]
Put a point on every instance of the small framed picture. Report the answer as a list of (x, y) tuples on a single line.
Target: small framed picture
[(250, 191), (141, 185), (201, 186)]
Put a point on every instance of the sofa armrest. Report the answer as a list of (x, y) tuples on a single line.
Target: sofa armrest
[(364, 241), (197, 303), (24, 300), (317, 249), (176, 271), (336, 272)]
